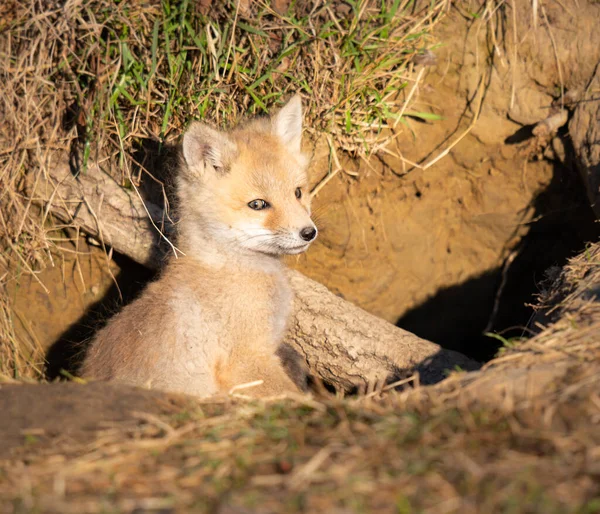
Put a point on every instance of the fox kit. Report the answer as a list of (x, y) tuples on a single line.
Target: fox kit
[(217, 316)]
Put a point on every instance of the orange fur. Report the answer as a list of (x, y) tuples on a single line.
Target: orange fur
[(216, 317)]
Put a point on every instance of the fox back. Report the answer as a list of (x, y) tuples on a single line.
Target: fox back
[(216, 317)]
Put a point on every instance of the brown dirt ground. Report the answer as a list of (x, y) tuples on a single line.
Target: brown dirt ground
[(74, 284), (65, 303), (388, 243)]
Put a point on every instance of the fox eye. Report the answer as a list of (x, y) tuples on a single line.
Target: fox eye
[(298, 193), (258, 205)]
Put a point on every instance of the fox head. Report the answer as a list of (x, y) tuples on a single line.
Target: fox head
[(248, 188)]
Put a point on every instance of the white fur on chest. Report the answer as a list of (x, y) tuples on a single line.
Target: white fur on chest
[(209, 324)]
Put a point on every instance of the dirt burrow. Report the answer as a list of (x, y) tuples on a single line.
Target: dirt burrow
[(429, 246)]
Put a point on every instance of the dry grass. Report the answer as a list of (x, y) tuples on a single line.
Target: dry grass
[(340, 457), (567, 315), (18, 361), (101, 79), (456, 447), (396, 455)]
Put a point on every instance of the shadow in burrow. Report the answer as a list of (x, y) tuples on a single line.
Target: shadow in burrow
[(154, 166), (500, 300), (65, 355)]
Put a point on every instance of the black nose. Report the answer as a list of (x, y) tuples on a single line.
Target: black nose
[(308, 233)]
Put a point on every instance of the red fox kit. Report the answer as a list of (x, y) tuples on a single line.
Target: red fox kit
[(217, 316)]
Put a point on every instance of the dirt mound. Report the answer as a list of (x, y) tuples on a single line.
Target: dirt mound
[(566, 348), (58, 415)]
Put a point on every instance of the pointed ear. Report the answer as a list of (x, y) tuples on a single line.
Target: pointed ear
[(287, 124), (205, 147)]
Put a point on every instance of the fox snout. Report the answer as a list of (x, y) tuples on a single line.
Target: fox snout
[(294, 241), (306, 235)]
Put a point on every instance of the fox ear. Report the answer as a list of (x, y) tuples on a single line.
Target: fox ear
[(203, 145), (287, 123)]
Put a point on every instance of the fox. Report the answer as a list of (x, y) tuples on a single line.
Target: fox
[(216, 317)]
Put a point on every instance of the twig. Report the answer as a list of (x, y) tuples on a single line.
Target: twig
[(106, 253), (330, 175), (247, 385), (409, 97), (560, 75), (173, 247), (468, 129), (509, 260)]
